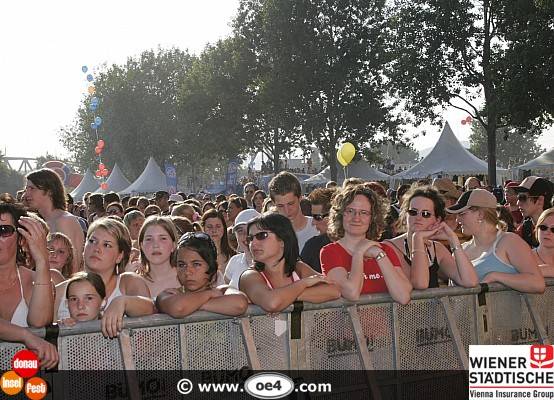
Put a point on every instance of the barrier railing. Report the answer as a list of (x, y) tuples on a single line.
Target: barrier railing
[(433, 332)]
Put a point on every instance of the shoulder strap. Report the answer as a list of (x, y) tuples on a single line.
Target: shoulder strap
[(268, 283)]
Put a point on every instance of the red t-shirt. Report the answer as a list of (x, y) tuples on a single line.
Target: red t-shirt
[(334, 255)]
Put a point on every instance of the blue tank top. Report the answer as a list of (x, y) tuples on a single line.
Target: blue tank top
[(489, 262)]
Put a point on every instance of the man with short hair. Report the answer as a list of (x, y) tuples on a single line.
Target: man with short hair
[(472, 183), (96, 207), (162, 200), (45, 193), (249, 190), (321, 205), (534, 195), (510, 195), (285, 192), (111, 197)]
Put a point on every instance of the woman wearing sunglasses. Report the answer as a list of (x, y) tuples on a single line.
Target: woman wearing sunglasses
[(196, 271), (26, 296), (277, 278), (544, 253), (356, 261), (107, 251), (497, 256), (424, 259)]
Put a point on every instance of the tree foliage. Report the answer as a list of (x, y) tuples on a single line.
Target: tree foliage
[(512, 149), (458, 52), (10, 181)]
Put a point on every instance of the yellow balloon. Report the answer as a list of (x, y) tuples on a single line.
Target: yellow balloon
[(347, 151), (340, 159), (91, 89)]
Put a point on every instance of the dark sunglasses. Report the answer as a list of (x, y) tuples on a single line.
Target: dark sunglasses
[(195, 235), (424, 213), (258, 236), (320, 217), (523, 197), (6, 230), (544, 228)]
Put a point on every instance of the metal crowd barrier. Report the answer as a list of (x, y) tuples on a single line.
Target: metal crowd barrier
[(432, 333)]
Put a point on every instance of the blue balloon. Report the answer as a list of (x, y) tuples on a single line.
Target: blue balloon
[(93, 126), (90, 78), (93, 107), (98, 121), (94, 100), (84, 68)]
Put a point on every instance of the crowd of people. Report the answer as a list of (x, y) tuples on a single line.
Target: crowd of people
[(105, 257)]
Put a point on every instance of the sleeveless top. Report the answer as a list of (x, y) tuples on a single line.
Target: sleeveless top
[(294, 277), (489, 262), (433, 265), (19, 316), (63, 310)]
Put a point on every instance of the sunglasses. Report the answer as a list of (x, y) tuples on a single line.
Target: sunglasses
[(258, 236), (115, 211), (6, 230), (319, 217), (195, 235), (523, 197), (544, 228), (424, 213)]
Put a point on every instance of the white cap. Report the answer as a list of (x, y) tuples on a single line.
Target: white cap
[(245, 216)]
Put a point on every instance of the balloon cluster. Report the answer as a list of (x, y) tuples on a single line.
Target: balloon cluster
[(345, 153), (467, 120), (102, 172)]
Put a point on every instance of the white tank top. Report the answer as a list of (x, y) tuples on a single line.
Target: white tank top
[(19, 316), (63, 310)]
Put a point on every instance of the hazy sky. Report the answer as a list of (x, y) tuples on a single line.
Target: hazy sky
[(44, 44)]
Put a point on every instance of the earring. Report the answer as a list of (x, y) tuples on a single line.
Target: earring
[(480, 221)]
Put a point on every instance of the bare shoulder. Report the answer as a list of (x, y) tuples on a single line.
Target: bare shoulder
[(510, 240)]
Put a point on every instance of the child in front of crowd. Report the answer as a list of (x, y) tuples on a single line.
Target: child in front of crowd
[(85, 298)]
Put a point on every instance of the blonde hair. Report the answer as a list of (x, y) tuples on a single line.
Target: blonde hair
[(491, 216), (121, 235), (68, 266), (544, 215)]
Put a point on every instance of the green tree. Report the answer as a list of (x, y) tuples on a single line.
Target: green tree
[(512, 149), (318, 73), (459, 52), (138, 106)]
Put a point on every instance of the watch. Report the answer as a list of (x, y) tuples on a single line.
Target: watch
[(380, 256)]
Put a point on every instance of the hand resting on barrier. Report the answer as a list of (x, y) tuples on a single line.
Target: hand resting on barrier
[(197, 272)]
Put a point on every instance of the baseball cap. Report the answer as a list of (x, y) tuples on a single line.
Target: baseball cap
[(245, 216), (473, 198), (535, 186), (175, 197), (447, 188), (511, 184)]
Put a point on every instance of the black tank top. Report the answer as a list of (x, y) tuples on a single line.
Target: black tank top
[(433, 268)]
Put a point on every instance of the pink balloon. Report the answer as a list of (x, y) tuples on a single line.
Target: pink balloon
[(464, 122), (104, 186)]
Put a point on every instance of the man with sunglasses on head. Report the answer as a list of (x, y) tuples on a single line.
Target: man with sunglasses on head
[(534, 195), (320, 199), (285, 192)]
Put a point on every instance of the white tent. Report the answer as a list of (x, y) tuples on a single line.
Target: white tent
[(116, 181), (448, 157), (151, 180), (358, 169), (545, 160), (88, 184)]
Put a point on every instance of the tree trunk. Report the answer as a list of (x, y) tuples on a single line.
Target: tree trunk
[(333, 165), (491, 150)]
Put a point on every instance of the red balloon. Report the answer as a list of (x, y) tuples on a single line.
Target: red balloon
[(98, 173), (463, 122), (105, 172), (104, 186), (97, 150), (101, 143), (101, 167)]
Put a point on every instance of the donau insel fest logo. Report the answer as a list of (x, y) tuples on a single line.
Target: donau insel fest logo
[(25, 365), (516, 372)]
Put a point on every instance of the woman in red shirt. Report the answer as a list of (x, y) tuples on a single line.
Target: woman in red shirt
[(356, 262)]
